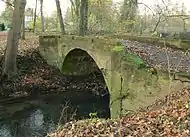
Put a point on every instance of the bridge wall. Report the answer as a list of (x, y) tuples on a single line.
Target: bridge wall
[(55, 49), (49, 49), (130, 84)]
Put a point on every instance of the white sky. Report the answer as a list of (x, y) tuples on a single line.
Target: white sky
[(49, 5)]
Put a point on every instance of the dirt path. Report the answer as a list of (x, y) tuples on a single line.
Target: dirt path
[(158, 57)]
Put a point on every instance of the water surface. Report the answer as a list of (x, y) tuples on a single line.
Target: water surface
[(36, 118)]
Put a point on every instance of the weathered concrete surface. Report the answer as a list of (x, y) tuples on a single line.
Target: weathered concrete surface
[(130, 84)]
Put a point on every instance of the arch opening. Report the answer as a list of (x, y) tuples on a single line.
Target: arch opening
[(86, 76)]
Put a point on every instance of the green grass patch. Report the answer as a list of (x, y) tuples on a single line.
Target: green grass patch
[(130, 58)]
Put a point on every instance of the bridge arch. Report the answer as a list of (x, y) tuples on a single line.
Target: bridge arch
[(79, 62), (73, 63), (101, 61)]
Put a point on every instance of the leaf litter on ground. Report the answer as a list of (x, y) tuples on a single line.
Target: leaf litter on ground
[(171, 120), (35, 75)]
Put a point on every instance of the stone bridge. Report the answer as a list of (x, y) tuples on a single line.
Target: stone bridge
[(130, 83)]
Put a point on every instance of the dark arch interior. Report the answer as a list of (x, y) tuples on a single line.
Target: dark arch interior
[(79, 62), (88, 84)]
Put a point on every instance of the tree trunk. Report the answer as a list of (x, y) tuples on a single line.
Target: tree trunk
[(34, 24), (156, 26), (184, 26), (57, 25), (86, 17), (83, 23), (60, 17), (13, 39), (23, 27), (129, 9), (75, 7), (42, 15)]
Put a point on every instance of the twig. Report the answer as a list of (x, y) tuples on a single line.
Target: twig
[(62, 112), (169, 72), (140, 3), (180, 61), (8, 3)]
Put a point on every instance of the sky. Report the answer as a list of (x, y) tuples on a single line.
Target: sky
[(49, 5)]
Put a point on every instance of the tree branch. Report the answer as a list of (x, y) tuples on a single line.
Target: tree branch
[(140, 3), (8, 3)]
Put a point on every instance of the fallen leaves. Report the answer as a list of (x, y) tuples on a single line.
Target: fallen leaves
[(35, 74), (171, 120), (157, 56), (166, 117)]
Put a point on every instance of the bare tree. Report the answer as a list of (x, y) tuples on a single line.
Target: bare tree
[(10, 67), (161, 15), (75, 6), (160, 12), (23, 27), (60, 16)]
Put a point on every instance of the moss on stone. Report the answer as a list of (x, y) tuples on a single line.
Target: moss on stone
[(129, 58)]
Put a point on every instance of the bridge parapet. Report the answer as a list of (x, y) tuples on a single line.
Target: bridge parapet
[(90, 43), (49, 40)]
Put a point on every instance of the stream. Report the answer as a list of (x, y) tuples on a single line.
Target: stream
[(37, 117)]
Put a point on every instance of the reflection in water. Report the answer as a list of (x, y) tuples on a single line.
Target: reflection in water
[(43, 116), (33, 126), (5, 131), (36, 119)]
